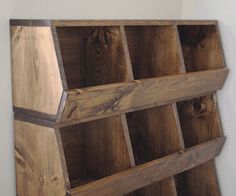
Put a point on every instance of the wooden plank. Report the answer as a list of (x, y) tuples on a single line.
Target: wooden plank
[(35, 73), (151, 172), (128, 22), (199, 181), (98, 102), (39, 170), (21, 22)]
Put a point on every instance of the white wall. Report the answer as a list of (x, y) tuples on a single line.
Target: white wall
[(225, 12), (77, 9)]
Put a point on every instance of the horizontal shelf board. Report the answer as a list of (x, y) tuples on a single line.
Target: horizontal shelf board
[(87, 104), (22, 22), (151, 172)]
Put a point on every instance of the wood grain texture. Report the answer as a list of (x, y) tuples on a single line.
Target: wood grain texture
[(98, 102), (199, 181), (36, 78), (201, 47), (199, 114), (95, 149), (151, 172), (153, 133), (39, 170), (92, 55), (71, 23), (154, 51)]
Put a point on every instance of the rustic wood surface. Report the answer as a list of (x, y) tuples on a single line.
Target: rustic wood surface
[(98, 102), (201, 47), (16, 22), (35, 72), (38, 166), (152, 172)]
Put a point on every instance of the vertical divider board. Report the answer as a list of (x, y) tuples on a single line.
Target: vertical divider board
[(199, 117), (155, 132)]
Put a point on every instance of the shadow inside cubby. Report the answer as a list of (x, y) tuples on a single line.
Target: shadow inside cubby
[(201, 47), (92, 56), (199, 120), (154, 50), (199, 181), (94, 150)]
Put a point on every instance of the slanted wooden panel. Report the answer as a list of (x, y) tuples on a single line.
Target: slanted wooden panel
[(151, 172), (98, 102), (92, 55), (154, 51), (201, 47), (95, 150), (35, 73), (39, 170), (199, 181)]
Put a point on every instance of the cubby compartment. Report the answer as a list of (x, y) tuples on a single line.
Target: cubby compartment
[(199, 181), (154, 133), (165, 187), (199, 120), (92, 55), (201, 47), (154, 50), (94, 150)]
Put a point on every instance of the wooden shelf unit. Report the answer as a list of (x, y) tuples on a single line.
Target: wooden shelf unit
[(116, 107)]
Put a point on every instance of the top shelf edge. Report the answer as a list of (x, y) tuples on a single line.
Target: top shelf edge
[(71, 23)]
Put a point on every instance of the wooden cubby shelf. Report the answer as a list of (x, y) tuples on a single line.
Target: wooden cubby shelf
[(116, 107)]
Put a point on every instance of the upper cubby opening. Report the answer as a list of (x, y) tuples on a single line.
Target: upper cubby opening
[(201, 47), (92, 55), (154, 50)]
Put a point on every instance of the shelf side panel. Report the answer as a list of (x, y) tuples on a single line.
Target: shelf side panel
[(36, 78), (39, 169)]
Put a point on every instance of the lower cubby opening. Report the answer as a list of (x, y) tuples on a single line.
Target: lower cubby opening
[(199, 120), (94, 150), (201, 47), (154, 133), (199, 181), (165, 187)]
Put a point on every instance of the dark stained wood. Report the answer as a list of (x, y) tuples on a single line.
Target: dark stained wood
[(199, 114), (201, 47), (21, 22), (154, 51), (153, 133), (98, 102), (151, 172), (198, 181), (92, 56), (95, 149)]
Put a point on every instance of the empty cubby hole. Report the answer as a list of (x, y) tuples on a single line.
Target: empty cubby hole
[(199, 120), (154, 50), (92, 55), (154, 133), (201, 47), (199, 181), (165, 187), (94, 150)]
